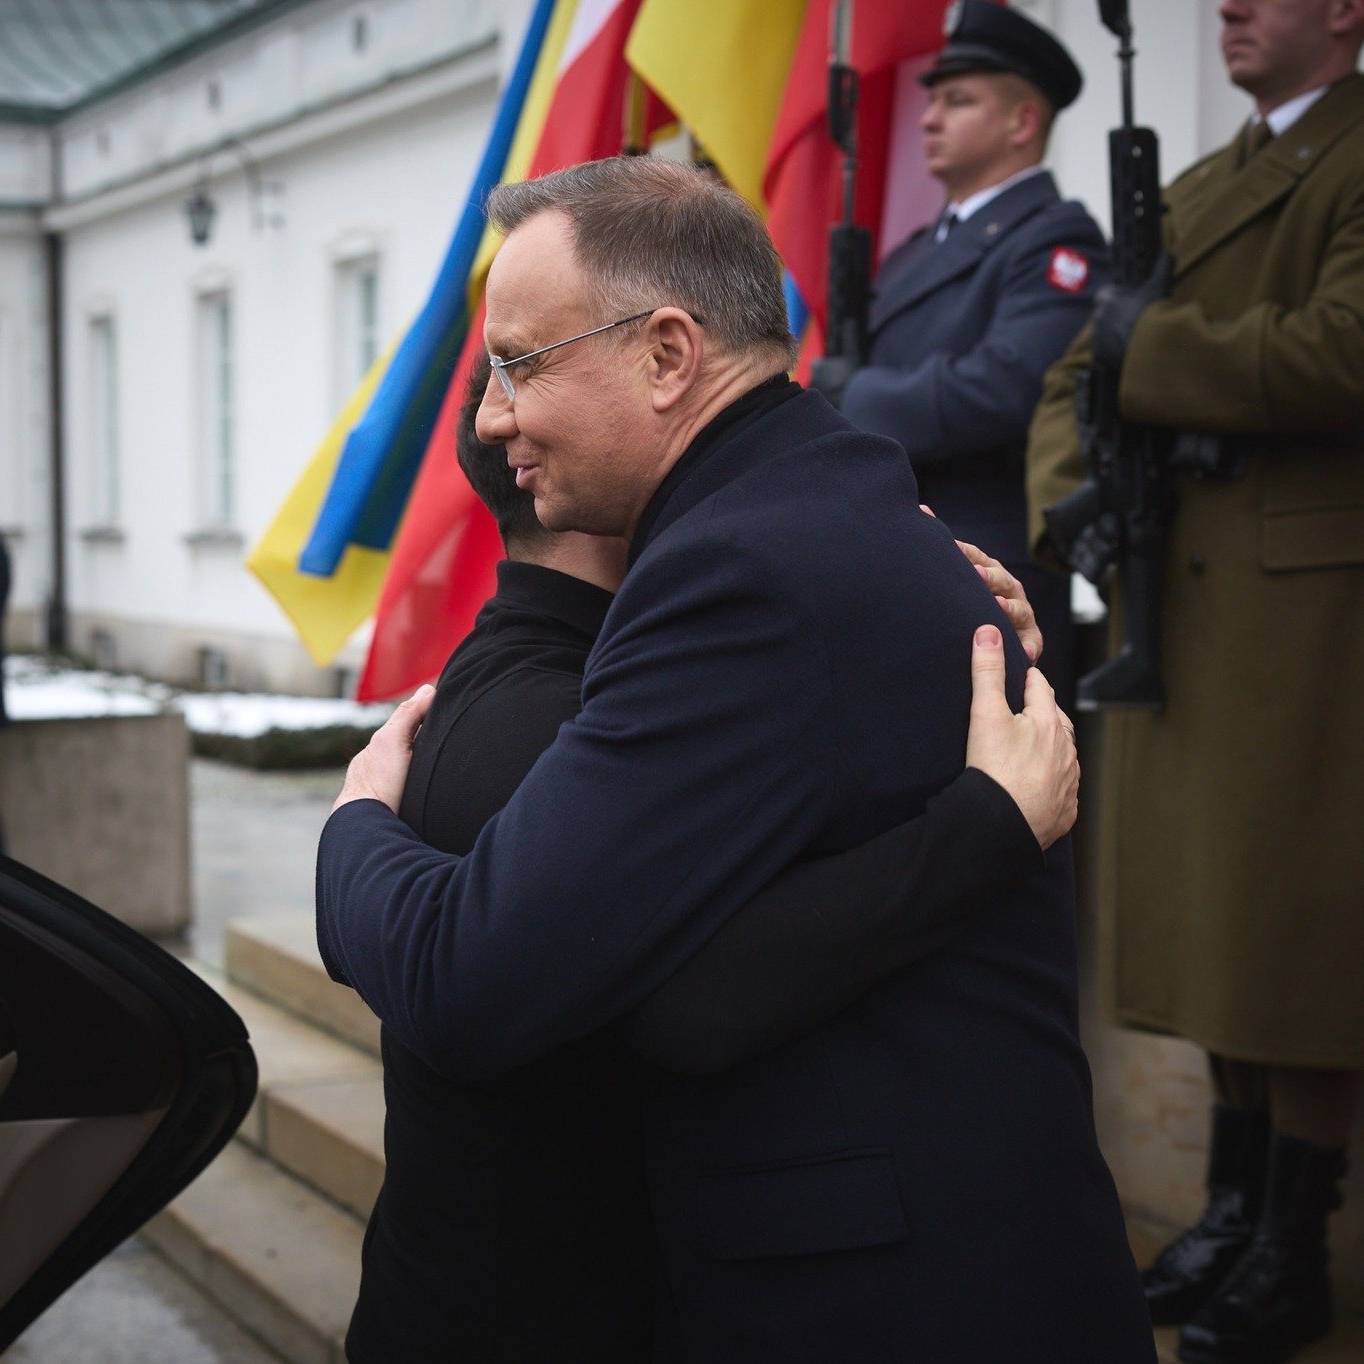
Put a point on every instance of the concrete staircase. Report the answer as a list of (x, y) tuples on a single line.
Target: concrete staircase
[(272, 1229)]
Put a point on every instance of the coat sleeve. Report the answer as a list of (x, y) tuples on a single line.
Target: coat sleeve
[(1054, 462), (825, 931), (678, 792), (983, 398), (1267, 369)]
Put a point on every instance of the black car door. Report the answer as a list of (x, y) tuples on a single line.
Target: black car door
[(121, 1076)]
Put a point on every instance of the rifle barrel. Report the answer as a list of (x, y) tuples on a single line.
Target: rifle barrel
[(1126, 52)]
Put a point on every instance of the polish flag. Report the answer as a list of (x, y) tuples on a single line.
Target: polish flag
[(585, 116)]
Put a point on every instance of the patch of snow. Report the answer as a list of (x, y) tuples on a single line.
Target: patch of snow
[(37, 689), (247, 714)]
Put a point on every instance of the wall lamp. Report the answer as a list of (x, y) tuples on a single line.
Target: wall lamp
[(201, 208)]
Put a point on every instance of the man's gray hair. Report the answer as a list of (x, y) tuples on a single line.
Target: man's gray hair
[(650, 233)]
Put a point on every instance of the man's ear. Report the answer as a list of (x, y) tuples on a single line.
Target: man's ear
[(676, 349), (1025, 122)]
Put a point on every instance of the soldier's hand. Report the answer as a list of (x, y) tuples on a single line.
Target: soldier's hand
[(1117, 308), (379, 770), (1032, 754)]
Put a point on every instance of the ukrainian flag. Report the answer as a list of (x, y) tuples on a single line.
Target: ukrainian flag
[(325, 555)]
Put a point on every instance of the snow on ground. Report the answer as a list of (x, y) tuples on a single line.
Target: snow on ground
[(247, 715), (39, 689)]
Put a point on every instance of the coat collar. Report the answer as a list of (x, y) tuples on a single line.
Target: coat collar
[(1222, 198), (792, 417), (720, 432), (921, 265)]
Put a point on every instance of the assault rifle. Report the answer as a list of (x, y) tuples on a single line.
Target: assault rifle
[(1120, 514), (845, 335)]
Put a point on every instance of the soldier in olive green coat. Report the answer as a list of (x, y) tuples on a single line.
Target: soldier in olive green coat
[(1232, 851)]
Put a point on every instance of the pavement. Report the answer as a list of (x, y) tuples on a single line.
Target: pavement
[(133, 1308), (254, 845)]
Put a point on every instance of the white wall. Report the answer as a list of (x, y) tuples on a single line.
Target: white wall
[(25, 164), (24, 434), (1180, 90), (368, 160), (304, 62), (396, 186)]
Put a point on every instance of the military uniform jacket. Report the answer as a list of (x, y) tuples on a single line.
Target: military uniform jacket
[(962, 332), (779, 675), (1232, 862)]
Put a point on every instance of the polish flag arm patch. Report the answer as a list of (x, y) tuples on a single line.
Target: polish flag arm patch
[(1068, 271)]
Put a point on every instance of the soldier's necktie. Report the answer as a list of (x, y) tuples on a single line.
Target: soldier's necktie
[(948, 221), (1257, 134)]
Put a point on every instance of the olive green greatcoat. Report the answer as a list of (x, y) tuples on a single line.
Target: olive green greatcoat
[(1232, 838)]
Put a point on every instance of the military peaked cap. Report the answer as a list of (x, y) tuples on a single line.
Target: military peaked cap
[(985, 36)]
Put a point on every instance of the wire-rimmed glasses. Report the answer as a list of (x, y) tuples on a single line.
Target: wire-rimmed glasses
[(500, 366)]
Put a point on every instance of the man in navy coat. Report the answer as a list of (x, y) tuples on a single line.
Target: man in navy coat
[(969, 313), (778, 677)]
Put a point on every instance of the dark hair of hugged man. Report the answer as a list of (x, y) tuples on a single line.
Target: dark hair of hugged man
[(486, 468)]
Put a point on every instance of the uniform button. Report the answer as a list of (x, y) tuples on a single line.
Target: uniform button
[(1197, 565)]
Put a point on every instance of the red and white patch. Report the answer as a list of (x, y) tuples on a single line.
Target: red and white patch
[(1068, 271)]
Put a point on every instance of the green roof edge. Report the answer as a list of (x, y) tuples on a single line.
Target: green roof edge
[(30, 113)]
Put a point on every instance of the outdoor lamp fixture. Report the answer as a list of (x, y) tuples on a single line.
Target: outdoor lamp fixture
[(201, 209)]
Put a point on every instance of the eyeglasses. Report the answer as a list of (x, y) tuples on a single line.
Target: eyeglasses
[(500, 366)]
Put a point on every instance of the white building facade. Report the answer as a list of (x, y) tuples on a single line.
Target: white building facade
[(336, 139)]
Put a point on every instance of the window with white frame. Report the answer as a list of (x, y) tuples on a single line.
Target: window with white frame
[(106, 492), (217, 395), (358, 336)]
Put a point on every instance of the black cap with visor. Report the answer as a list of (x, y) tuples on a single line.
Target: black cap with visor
[(985, 36)]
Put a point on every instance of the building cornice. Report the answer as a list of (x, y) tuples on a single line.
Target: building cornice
[(395, 93)]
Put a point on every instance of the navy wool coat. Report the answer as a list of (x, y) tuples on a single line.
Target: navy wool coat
[(962, 332), (781, 674)]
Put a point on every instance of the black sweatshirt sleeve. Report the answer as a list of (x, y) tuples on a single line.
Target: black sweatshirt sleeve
[(825, 931)]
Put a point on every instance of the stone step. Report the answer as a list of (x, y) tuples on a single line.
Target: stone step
[(319, 1109), (275, 956), (279, 1258), (332, 1135)]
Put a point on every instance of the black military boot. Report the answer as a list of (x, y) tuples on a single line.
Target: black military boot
[(1188, 1271), (1277, 1297)]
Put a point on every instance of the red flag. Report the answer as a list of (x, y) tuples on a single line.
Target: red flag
[(804, 166)]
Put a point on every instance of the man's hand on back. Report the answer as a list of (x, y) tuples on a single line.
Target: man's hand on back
[(1032, 754), (379, 770)]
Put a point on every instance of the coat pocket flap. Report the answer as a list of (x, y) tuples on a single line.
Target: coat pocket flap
[(816, 1206), (1325, 537)]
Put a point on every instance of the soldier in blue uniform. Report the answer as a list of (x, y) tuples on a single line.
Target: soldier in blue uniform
[(970, 312)]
